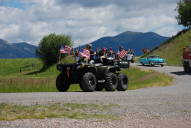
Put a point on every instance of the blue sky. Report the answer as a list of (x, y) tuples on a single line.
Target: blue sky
[(85, 20), (12, 3)]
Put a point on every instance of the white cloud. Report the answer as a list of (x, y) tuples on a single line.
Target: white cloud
[(86, 20)]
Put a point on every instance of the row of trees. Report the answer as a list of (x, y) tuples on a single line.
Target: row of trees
[(49, 46)]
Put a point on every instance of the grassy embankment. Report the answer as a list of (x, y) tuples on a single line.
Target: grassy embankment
[(12, 80), (172, 49)]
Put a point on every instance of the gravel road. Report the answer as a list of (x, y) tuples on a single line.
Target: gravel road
[(150, 107)]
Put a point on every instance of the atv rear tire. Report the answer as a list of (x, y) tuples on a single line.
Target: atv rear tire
[(122, 82), (62, 83), (111, 81), (88, 82)]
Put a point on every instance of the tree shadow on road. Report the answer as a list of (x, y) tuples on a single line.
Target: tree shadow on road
[(181, 73)]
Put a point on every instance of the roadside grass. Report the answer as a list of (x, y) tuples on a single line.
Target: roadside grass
[(31, 84), (139, 78), (56, 110), (23, 84)]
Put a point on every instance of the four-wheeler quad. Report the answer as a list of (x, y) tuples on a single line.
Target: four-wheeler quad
[(92, 77)]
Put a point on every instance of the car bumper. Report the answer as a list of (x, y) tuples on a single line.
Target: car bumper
[(158, 63)]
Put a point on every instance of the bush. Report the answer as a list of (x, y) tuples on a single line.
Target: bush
[(49, 46)]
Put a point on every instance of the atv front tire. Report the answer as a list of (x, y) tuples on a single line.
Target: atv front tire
[(62, 83), (88, 82)]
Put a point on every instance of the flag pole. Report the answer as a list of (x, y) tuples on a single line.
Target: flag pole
[(59, 57)]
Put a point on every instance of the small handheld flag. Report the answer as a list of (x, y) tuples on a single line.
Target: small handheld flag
[(122, 53), (85, 53), (65, 50)]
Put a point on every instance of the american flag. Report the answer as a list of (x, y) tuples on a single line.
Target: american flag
[(122, 53), (85, 53), (65, 50)]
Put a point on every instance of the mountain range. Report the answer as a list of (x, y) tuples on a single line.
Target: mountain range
[(17, 50), (130, 40)]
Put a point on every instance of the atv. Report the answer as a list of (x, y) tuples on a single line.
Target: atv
[(92, 77)]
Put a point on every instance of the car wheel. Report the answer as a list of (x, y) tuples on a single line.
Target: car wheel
[(151, 63)]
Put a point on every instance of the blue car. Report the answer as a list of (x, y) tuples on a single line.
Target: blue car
[(152, 61)]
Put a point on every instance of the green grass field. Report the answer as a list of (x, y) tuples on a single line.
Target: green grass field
[(172, 49), (12, 80)]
